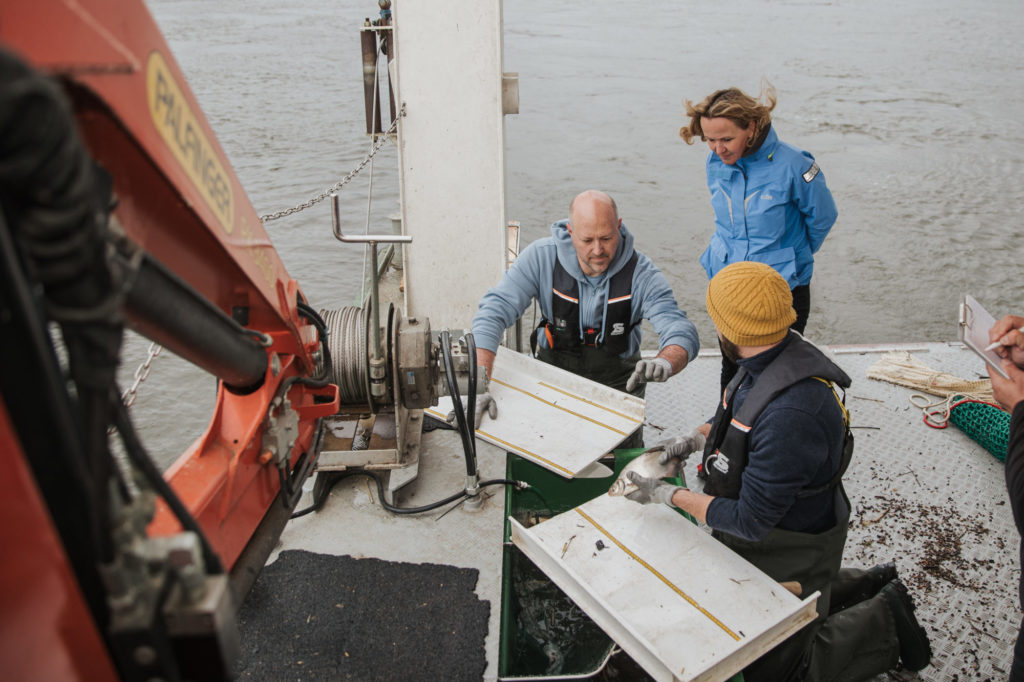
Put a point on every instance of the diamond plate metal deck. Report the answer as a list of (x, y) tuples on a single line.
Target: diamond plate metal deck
[(932, 500)]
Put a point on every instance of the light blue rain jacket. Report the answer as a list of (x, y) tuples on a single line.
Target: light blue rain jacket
[(772, 207)]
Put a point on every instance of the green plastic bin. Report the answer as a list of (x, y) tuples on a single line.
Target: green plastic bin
[(544, 635)]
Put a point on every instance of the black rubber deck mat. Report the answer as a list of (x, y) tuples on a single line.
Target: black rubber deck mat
[(322, 617)]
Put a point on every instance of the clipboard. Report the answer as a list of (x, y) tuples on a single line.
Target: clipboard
[(973, 327)]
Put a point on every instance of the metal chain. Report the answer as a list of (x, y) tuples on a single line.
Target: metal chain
[(142, 372), (129, 395), (341, 183)]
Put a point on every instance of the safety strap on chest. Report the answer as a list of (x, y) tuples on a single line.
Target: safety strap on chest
[(563, 330), (726, 451), (844, 461)]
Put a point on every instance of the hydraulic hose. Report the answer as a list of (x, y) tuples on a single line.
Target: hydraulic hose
[(55, 200), (313, 316), (44, 417), (324, 377), (316, 506), (140, 458), (471, 401), (465, 433)]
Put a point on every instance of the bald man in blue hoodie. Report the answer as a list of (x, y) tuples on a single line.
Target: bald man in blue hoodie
[(594, 289)]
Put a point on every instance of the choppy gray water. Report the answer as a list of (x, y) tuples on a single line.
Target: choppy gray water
[(911, 109)]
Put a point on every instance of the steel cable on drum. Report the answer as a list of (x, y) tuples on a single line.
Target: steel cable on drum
[(346, 339)]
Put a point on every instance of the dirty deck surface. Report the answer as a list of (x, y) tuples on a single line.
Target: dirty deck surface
[(931, 500)]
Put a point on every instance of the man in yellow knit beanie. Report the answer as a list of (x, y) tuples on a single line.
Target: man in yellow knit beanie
[(750, 304), (773, 462)]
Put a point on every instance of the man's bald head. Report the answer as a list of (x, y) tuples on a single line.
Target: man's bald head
[(594, 227), (593, 200)]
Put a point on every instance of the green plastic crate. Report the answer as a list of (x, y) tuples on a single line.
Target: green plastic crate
[(521, 654)]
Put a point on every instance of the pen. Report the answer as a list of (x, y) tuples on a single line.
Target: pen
[(996, 344)]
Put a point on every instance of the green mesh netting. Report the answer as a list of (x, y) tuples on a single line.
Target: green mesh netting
[(986, 424)]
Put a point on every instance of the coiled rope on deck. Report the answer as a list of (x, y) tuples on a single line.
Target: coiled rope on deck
[(969, 405), (903, 369), (984, 422)]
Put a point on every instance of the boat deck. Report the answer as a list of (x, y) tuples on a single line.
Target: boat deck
[(932, 500)]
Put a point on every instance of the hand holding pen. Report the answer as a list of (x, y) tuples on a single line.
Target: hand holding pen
[(1007, 337)]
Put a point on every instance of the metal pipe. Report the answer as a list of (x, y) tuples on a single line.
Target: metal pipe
[(165, 309), (511, 253), (375, 302), (368, 43), (388, 36), (372, 240), (364, 238)]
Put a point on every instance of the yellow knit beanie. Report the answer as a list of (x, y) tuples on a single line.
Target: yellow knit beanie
[(750, 304)]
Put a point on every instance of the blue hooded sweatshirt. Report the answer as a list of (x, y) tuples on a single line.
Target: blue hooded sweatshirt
[(530, 277)]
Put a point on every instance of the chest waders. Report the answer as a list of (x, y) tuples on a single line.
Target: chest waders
[(727, 447), (812, 559), (593, 355)]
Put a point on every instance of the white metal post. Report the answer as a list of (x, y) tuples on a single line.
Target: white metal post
[(451, 154)]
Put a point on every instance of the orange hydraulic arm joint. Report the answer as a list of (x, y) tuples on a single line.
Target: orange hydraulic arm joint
[(198, 262), (191, 267)]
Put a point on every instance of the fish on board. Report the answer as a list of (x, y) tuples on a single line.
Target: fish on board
[(646, 464)]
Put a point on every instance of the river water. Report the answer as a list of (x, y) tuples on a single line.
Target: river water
[(911, 108)]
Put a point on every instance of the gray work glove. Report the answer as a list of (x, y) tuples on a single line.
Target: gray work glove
[(484, 405), (656, 369), (651, 490), (681, 447)]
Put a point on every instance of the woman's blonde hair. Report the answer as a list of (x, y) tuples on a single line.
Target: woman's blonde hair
[(735, 105)]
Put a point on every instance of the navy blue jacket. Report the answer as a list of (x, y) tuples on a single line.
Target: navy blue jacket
[(796, 443)]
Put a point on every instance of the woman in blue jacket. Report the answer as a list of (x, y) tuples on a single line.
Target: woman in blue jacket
[(770, 199)]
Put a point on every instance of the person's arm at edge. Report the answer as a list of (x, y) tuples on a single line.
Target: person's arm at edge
[(485, 359), (814, 200), (695, 504), (1007, 332), (676, 355), (505, 302), (1008, 392)]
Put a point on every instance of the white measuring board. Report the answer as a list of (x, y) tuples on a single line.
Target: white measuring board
[(552, 417), (680, 603)]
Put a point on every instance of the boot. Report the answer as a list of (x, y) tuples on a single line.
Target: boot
[(852, 586), (915, 650)]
